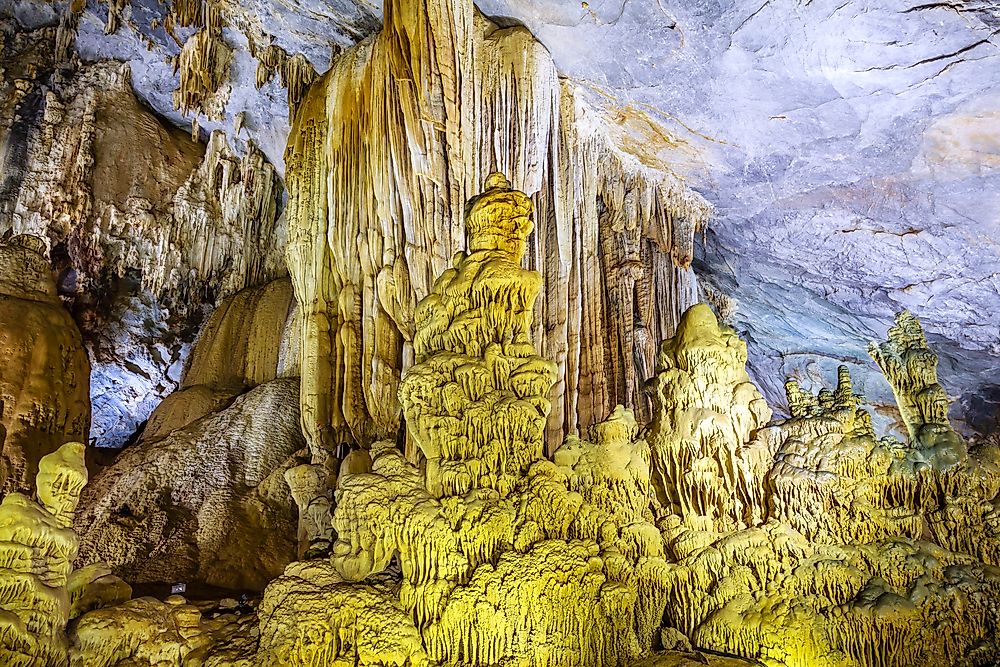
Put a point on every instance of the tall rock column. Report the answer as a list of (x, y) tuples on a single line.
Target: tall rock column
[(45, 375), (911, 369)]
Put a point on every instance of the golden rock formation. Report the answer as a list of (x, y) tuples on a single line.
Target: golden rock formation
[(911, 369), (37, 548), (704, 467), (505, 557), (147, 631), (476, 400), (308, 484), (378, 178), (45, 376), (851, 550)]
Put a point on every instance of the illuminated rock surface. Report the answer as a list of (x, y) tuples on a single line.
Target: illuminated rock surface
[(424, 470), (377, 182), (43, 378)]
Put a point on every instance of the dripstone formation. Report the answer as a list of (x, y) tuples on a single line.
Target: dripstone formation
[(801, 542)]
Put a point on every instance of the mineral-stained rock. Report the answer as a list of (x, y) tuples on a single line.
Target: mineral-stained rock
[(506, 557), (147, 631), (378, 177), (476, 400), (310, 616), (308, 484), (852, 550), (124, 200), (44, 377), (247, 341), (207, 503), (706, 411)]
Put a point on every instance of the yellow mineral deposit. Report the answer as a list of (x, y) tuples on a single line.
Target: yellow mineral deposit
[(37, 548), (506, 557), (852, 551), (800, 542), (476, 401), (705, 469)]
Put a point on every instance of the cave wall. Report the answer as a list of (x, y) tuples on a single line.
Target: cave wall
[(44, 392), (145, 227)]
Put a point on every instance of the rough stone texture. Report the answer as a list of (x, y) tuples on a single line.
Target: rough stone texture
[(44, 375), (37, 547), (205, 503), (247, 341)]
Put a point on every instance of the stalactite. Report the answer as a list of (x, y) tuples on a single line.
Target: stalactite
[(295, 72), (193, 220), (203, 64), (378, 176)]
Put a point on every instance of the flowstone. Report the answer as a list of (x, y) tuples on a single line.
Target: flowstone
[(37, 547), (848, 549)]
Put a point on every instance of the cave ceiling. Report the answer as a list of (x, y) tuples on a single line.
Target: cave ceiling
[(851, 151)]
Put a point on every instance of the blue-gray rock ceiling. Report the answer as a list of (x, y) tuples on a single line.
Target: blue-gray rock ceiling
[(851, 148)]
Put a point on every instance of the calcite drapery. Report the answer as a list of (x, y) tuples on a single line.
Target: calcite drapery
[(378, 176)]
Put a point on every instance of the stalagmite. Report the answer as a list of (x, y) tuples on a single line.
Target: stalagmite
[(37, 548), (505, 557), (848, 550), (308, 486), (378, 177), (705, 469), (911, 369), (476, 399)]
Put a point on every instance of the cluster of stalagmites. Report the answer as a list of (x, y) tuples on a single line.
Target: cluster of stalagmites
[(808, 541)]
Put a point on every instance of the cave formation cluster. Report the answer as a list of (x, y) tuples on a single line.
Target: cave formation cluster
[(483, 421)]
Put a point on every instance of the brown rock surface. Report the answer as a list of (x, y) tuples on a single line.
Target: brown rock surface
[(45, 375)]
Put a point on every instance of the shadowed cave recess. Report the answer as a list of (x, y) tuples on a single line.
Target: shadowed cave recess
[(525, 333)]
